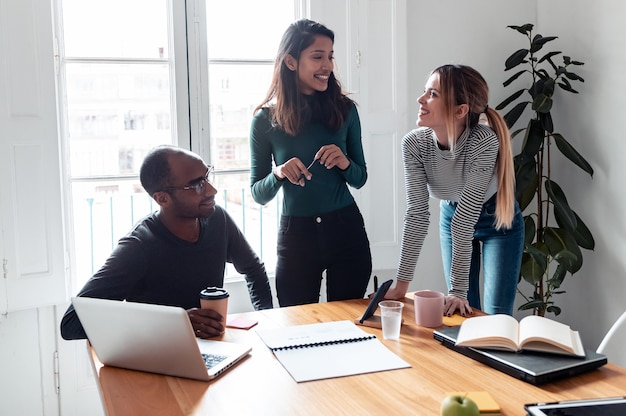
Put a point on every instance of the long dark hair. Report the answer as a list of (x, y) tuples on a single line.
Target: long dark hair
[(291, 111), (461, 84)]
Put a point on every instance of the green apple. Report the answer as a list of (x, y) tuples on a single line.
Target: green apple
[(457, 405)]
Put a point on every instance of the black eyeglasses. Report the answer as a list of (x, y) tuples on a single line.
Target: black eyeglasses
[(199, 186)]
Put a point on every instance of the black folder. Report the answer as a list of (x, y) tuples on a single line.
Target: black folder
[(531, 367)]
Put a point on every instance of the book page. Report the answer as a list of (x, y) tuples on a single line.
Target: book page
[(543, 334), (489, 331)]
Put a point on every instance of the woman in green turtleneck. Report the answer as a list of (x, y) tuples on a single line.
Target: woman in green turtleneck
[(305, 139)]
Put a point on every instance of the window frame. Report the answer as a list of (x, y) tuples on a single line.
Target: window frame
[(189, 79)]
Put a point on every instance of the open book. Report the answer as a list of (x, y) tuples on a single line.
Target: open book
[(328, 349), (534, 333)]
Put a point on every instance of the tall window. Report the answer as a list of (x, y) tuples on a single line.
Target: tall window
[(123, 82), (240, 60)]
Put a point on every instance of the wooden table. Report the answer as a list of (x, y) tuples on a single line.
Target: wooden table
[(259, 385)]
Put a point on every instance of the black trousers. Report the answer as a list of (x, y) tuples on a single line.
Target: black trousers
[(335, 242)]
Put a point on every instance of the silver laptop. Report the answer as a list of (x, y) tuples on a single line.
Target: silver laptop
[(153, 338)]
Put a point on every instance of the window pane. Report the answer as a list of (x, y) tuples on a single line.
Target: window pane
[(118, 105), (116, 28), (246, 29), (242, 40), (234, 92), (116, 113), (258, 223), (103, 212)]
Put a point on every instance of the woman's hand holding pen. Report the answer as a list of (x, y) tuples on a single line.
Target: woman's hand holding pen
[(294, 171), (331, 155)]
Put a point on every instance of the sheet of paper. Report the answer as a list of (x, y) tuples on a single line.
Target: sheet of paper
[(310, 334), (364, 354)]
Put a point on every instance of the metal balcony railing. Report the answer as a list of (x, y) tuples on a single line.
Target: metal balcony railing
[(99, 222)]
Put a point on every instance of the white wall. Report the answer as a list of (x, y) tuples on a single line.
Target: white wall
[(458, 32), (475, 33), (593, 122)]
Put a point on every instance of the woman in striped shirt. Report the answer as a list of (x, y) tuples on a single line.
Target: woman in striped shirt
[(469, 167)]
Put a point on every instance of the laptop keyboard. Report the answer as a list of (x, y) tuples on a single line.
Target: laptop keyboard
[(211, 360)]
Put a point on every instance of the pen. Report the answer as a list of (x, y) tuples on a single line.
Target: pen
[(308, 168), (375, 283)]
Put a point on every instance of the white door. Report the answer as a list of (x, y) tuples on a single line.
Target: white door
[(370, 48)]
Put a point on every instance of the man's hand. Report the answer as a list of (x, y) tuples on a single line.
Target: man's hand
[(206, 323)]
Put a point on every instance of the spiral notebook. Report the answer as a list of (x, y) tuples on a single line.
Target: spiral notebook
[(329, 349)]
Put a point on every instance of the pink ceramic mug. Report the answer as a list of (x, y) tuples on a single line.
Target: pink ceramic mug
[(428, 308)]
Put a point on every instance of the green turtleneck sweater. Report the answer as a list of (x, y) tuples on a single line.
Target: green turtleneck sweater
[(327, 190)]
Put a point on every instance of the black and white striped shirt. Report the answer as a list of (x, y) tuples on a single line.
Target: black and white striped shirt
[(465, 175)]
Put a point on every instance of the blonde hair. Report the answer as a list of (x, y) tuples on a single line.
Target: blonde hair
[(461, 84)]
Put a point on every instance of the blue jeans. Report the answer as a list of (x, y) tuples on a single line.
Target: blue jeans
[(501, 257), (307, 246)]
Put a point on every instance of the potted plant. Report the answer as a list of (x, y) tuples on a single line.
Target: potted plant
[(554, 233)]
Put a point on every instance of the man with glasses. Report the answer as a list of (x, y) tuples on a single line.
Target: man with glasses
[(172, 254)]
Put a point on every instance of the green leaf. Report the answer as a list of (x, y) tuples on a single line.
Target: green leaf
[(567, 87), (531, 305), (549, 55), (552, 64), (530, 270), (553, 240), (548, 87), (582, 234), (560, 241), (557, 278), (561, 207), (539, 41), (524, 29), (539, 258), (569, 152), (518, 57), (509, 100), (527, 195), (543, 74), (513, 78), (565, 257), (546, 122), (529, 230), (554, 309), (534, 262), (542, 103), (573, 76), (525, 179), (533, 141), (512, 116), (516, 132)]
